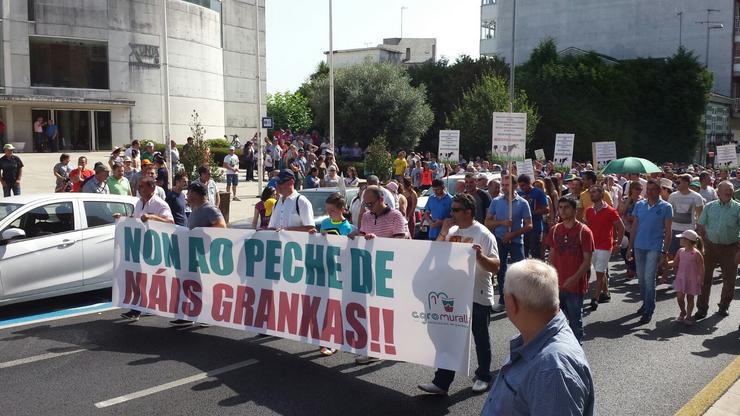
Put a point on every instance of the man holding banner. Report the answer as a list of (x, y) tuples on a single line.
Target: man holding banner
[(463, 228), (292, 212)]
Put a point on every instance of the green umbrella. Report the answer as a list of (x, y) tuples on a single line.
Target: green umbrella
[(631, 165)]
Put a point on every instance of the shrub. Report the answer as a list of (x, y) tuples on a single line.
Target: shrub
[(378, 161)]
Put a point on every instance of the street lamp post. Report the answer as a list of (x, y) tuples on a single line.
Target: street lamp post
[(331, 79), (402, 9), (710, 26), (680, 28), (260, 140)]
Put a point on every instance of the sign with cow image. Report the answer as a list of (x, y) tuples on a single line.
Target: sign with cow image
[(563, 152), (449, 146), (603, 153), (509, 137)]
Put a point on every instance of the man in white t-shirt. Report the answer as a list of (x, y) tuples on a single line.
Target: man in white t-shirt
[(231, 164), (463, 228), (293, 211), (705, 188), (687, 206), (135, 156)]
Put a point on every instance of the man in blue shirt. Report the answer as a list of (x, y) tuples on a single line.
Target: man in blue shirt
[(508, 231), (547, 372), (438, 208), (650, 238), (537, 201)]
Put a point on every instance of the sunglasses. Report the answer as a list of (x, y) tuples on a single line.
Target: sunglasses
[(456, 209)]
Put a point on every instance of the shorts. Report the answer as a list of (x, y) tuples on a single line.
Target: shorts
[(600, 260), (675, 243), (232, 179)]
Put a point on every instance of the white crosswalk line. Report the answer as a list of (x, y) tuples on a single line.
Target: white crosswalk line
[(175, 383), (39, 357)]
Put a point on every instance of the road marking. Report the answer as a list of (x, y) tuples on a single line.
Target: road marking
[(39, 357), (53, 316), (172, 384), (712, 391)]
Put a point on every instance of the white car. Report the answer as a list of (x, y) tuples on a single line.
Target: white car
[(57, 244)]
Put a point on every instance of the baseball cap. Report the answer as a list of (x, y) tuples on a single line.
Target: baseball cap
[(146, 162), (198, 187), (8, 147), (285, 175), (232, 148), (148, 144), (101, 168), (569, 177), (689, 235), (695, 183)]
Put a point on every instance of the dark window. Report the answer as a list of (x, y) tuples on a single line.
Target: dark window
[(68, 63), (31, 10), (46, 220), (101, 213), (211, 4)]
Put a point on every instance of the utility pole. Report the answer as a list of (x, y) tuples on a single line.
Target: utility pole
[(680, 28), (260, 140), (402, 9), (512, 67), (331, 79)]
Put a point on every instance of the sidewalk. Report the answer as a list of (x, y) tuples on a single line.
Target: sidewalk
[(38, 178), (721, 397), (728, 404)]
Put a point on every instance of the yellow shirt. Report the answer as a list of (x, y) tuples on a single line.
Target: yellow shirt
[(585, 201), (399, 166), (269, 205)]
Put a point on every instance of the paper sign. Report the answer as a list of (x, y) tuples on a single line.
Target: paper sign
[(449, 145), (726, 157), (603, 153), (563, 152), (539, 154), (509, 135), (524, 167)]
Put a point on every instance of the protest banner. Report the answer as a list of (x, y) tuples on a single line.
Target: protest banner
[(524, 167), (509, 138), (449, 146), (361, 296), (726, 157), (539, 154), (563, 152), (603, 153)]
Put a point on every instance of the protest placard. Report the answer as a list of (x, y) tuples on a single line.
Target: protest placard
[(361, 296), (539, 154), (524, 167), (603, 153), (449, 146), (726, 157), (563, 152), (509, 137)]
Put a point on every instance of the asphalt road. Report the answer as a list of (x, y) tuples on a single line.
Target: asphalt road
[(99, 365)]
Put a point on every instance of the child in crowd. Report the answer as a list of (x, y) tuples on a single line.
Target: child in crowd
[(263, 208), (336, 224), (689, 267)]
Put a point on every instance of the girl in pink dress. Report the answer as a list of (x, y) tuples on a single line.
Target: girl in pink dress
[(689, 267)]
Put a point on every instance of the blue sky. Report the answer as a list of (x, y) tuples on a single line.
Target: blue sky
[(298, 31)]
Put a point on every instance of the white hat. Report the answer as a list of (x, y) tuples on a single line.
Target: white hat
[(666, 183), (690, 235), (232, 148), (392, 186)]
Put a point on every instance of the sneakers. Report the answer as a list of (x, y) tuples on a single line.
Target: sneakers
[(605, 298), (181, 322), (723, 311), (235, 199), (131, 315), (700, 315), (646, 319), (498, 308), (432, 388), (364, 359), (594, 304), (328, 351), (480, 386), (202, 325)]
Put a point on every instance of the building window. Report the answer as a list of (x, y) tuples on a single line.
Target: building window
[(210, 4), (487, 2), (488, 29), (408, 54), (31, 10), (68, 63)]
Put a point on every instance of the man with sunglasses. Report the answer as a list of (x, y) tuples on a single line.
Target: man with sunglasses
[(293, 212), (463, 228)]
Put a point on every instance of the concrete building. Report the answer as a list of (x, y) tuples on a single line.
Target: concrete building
[(107, 70), (406, 51)]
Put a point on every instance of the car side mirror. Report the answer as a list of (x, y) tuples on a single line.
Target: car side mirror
[(12, 234)]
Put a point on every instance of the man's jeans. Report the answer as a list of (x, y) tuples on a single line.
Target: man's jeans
[(516, 251), (647, 269), (571, 304), (481, 319), (16, 189), (533, 244)]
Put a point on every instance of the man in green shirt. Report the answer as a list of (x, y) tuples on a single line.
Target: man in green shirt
[(117, 183), (719, 226), (148, 152)]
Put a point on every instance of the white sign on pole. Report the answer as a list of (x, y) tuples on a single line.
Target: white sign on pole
[(539, 154), (603, 153), (449, 145), (509, 135), (524, 167), (563, 152), (726, 157)]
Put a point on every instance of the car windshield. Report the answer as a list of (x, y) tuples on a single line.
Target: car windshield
[(317, 200), (6, 209)]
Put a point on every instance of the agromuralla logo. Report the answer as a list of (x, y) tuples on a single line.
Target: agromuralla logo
[(440, 309)]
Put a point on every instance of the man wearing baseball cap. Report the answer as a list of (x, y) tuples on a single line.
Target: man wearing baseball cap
[(148, 153), (98, 184), (11, 169), (231, 164), (293, 212)]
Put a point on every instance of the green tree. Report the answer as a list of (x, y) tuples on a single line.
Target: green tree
[(372, 100), (378, 160), (199, 153), (446, 83), (474, 116), (289, 110)]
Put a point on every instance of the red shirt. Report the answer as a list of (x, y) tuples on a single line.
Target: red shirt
[(86, 173), (602, 225), (566, 253)]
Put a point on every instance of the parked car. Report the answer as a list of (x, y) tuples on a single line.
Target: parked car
[(57, 244), (317, 196), (450, 185)]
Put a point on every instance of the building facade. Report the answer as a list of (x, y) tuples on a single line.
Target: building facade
[(399, 51), (110, 71)]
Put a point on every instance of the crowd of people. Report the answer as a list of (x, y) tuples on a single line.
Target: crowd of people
[(544, 238)]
